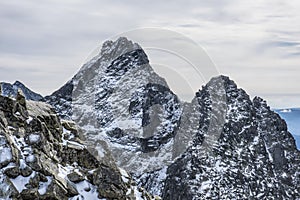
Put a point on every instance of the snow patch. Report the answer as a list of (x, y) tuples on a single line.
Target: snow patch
[(17, 113), (30, 159), (86, 191), (286, 110), (64, 171), (44, 185), (220, 168), (136, 193), (34, 138), (5, 154), (29, 120), (205, 185), (21, 181), (125, 176), (100, 151)]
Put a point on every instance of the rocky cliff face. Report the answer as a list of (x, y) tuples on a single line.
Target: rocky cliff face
[(41, 157), (118, 98), (222, 145), (254, 157)]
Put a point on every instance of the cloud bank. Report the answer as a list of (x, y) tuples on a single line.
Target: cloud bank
[(255, 42)]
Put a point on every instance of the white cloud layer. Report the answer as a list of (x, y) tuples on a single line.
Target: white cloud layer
[(256, 43)]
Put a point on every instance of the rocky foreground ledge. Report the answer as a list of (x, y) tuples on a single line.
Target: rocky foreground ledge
[(41, 157)]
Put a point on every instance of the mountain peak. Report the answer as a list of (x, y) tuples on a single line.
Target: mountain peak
[(18, 83), (116, 48), (12, 90), (221, 82)]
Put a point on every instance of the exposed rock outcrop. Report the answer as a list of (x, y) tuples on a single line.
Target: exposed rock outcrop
[(41, 157)]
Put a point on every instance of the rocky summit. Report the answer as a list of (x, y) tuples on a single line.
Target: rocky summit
[(117, 114)]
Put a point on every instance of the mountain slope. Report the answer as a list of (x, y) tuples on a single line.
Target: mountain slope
[(41, 157)]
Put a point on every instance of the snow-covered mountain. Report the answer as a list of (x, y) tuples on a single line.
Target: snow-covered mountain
[(118, 98), (292, 118), (222, 145), (11, 90)]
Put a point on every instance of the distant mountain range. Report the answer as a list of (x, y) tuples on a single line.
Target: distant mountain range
[(12, 89), (292, 118)]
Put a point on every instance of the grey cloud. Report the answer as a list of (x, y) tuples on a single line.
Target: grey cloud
[(55, 36), (285, 44), (189, 25), (291, 48), (16, 69), (295, 54)]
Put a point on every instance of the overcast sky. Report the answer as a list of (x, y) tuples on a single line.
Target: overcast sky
[(256, 43)]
